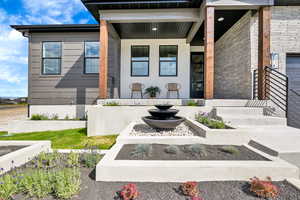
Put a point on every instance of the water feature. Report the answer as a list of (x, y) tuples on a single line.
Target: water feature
[(163, 117)]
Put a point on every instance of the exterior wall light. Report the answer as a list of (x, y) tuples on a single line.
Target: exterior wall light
[(274, 60), (154, 29)]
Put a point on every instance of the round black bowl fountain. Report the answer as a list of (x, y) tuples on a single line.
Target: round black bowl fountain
[(163, 117)]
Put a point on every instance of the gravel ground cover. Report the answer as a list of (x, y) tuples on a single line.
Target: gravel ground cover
[(187, 152), (145, 130), (8, 149)]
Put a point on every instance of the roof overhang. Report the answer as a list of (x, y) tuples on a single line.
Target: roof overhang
[(25, 29)]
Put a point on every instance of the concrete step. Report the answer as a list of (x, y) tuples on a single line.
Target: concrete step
[(252, 120), (239, 111)]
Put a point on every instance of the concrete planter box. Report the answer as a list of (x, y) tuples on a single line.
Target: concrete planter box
[(21, 156), (27, 126), (126, 138), (109, 169)]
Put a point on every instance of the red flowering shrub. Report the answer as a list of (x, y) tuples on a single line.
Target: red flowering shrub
[(129, 192), (189, 189), (265, 189)]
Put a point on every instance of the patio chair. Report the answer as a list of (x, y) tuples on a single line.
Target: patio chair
[(173, 87), (137, 88)]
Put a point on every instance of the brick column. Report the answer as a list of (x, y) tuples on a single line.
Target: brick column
[(263, 48), (103, 64), (209, 52)]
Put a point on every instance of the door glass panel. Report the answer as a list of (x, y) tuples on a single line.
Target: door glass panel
[(197, 75)]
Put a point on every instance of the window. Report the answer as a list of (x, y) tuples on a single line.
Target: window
[(91, 57), (140, 61), (168, 60), (51, 58)]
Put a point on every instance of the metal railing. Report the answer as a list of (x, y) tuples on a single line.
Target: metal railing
[(276, 87)]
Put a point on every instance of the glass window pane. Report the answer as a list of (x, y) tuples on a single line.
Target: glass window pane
[(168, 69), (51, 66), (139, 53), (139, 69), (91, 65), (52, 49), (168, 53), (91, 49)]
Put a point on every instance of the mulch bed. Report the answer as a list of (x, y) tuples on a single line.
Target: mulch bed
[(8, 149), (214, 152), (230, 190)]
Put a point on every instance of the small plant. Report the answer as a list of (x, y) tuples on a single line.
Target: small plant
[(172, 149), (8, 187), (73, 159), (262, 188), (142, 150), (54, 117), (67, 117), (230, 149), (190, 189), (39, 117), (204, 118), (90, 160), (129, 192), (36, 183), (113, 103), (152, 91), (66, 183), (192, 103), (197, 150)]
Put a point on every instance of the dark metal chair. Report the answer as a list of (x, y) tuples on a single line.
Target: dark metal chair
[(173, 87), (137, 88)]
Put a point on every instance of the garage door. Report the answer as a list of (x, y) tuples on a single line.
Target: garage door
[(293, 72)]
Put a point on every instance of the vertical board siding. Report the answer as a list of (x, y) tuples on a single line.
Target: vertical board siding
[(72, 86)]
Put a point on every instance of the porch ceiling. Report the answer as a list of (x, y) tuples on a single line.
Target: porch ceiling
[(94, 5), (165, 30), (230, 18)]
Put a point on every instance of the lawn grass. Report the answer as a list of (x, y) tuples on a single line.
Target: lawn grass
[(67, 139), (3, 133)]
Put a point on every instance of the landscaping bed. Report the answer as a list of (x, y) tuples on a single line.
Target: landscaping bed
[(145, 130), (67, 139), (187, 152), (8, 149)]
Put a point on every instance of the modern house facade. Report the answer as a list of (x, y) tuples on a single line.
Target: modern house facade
[(208, 48)]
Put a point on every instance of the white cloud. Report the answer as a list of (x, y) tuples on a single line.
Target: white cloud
[(10, 75)]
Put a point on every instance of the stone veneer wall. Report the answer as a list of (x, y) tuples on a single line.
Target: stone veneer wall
[(233, 77)]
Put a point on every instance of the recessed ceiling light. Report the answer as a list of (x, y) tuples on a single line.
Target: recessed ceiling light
[(220, 19), (154, 29)]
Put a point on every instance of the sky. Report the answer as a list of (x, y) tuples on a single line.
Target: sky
[(14, 47)]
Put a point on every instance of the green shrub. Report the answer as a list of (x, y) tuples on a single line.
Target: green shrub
[(203, 118), (90, 160), (192, 103), (196, 150), (172, 149), (66, 183), (73, 159), (142, 150), (39, 117), (8, 187), (230, 149), (113, 103), (54, 117), (37, 183)]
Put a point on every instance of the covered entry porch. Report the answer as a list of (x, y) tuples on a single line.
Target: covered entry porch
[(180, 46)]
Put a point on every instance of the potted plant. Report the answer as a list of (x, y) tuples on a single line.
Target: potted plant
[(152, 91)]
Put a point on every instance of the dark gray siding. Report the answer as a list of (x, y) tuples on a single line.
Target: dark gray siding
[(72, 86), (293, 72)]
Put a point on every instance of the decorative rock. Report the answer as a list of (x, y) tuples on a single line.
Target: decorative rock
[(145, 130)]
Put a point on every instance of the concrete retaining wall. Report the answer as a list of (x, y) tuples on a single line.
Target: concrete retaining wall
[(72, 111), (104, 120), (27, 126)]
